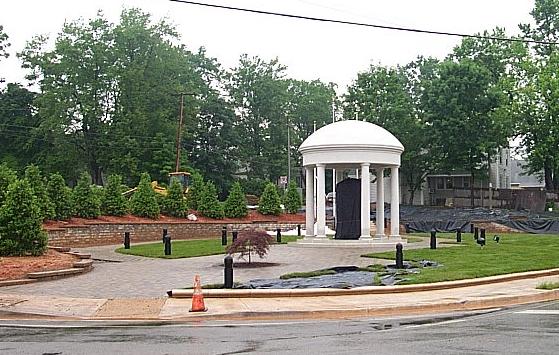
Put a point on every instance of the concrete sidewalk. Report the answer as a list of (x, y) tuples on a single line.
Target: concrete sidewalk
[(492, 295)]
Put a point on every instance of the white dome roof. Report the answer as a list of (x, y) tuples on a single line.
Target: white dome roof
[(352, 133)]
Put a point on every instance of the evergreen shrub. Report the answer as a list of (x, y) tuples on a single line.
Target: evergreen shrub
[(270, 201), (21, 230), (84, 198), (113, 203), (175, 203), (236, 204), (60, 196), (209, 204), (144, 201), (39, 187)]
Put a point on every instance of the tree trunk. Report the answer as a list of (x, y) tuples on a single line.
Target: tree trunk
[(548, 173), (472, 197)]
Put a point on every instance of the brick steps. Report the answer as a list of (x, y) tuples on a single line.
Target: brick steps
[(83, 263), (79, 255), (57, 274)]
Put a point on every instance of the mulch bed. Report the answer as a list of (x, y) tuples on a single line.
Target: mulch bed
[(17, 267), (252, 265), (253, 216)]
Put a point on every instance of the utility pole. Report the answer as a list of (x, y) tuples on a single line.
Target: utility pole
[(288, 152), (179, 132)]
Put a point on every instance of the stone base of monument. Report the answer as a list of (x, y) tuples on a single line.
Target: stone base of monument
[(361, 242)]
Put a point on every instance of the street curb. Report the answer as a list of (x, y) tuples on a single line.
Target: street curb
[(406, 310), (368, 290)]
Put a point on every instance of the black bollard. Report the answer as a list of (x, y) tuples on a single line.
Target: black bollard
[(407, 225), (164, 234), (224, 236), (234, 234), (476, 233), (471, 227), (167, 241), (278, 235), (126, 240), (433, 243), (459, 235), (481, 239), (298, 230), (228, 272), (399, 256)]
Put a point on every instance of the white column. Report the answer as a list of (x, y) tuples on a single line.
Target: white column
[(394, 203), (365, 201), (320, 202), (380, 203), (309, 202), (334, 182)]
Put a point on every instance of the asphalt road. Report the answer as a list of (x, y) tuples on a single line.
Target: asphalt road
[(532, 329)]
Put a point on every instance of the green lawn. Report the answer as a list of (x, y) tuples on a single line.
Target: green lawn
[(514, 253), (184, 248)]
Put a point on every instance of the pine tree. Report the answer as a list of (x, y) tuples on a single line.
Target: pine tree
[(21, 230), (209, 205), (85, 200), (39, 188), (60, 196), (195, 191), (292, 199), (7, 176), (175, 204), (113, 203), (270, 200), (144, 202), (236, 204)]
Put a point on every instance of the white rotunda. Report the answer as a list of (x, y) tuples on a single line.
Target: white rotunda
[(346, 145)]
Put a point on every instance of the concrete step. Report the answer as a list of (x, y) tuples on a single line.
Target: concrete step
[(60, 249), (55, 273), (83, 263), (16, 282), (80, 255)]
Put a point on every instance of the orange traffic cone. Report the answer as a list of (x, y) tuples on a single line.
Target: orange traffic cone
[(197, 297)]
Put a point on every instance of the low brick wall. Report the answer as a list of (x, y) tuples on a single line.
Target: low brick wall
[(106, 234)]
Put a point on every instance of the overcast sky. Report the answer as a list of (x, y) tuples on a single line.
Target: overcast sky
[(311, 50)]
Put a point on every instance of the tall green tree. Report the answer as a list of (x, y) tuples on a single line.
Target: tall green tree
[(258, 90), (538, 89), (460, 104), (310, 105), (389, 98), (21, 230), (4, 44), (20, 141), (112, 92)]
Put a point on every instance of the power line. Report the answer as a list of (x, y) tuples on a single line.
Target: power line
[(363, 24)]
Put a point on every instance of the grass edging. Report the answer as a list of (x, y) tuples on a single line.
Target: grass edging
[(367, 290), (548, 285)]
